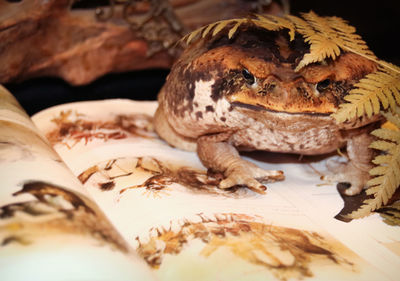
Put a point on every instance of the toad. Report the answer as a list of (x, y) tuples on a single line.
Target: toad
[(225, 95)]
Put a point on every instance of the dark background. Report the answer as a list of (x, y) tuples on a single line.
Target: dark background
[(376, 21)]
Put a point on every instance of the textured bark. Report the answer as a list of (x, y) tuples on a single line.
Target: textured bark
[(48, 38)]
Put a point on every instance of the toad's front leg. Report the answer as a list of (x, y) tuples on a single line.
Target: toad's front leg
[(356, 170), (220, 156)]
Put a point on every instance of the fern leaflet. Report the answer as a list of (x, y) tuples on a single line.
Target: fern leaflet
[(378, 88), (327, 35), (391, 213), (348, 39), (275, 23), (216, 27), (268, 22), (386, 176)]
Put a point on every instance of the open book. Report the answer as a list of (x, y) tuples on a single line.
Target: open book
[(89, 192)]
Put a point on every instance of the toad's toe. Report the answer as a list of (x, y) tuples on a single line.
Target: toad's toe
[(247, 174), (347, 172)]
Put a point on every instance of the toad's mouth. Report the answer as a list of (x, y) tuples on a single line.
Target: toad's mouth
[(260, 107), (286, 101)]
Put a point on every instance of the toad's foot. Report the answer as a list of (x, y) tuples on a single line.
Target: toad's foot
[(221, 157), (356, 170), (248, 174), (350, 173)]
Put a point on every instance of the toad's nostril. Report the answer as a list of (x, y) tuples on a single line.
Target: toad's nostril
[(270, 87), (303, 89), (270, 83), (300, 90)]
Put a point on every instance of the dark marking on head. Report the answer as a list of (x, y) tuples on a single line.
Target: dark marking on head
[(191, 87), (199, 115), (217, 89), (227, 84), (223, 119), (210, 108), (258, 40), (182, 83)]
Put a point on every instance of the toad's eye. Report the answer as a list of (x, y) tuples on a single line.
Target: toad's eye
[(248, 76), (323, 85)]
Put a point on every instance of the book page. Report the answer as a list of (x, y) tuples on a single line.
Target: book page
[(169, 209), (50, 229)]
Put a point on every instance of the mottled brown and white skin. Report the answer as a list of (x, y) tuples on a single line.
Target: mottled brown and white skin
[(225, 95)]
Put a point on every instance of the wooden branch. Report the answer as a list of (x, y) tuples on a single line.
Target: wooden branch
[(48, 38)]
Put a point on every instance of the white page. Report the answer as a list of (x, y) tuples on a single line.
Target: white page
[(49, 227), (115, 158)]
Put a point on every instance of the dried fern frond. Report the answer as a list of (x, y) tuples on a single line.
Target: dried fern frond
[(327, 36), (391, 214), (348, 40), (321, 45), (386, 175), (216, 27), (275, 23), (268, 22), (378, 88)]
